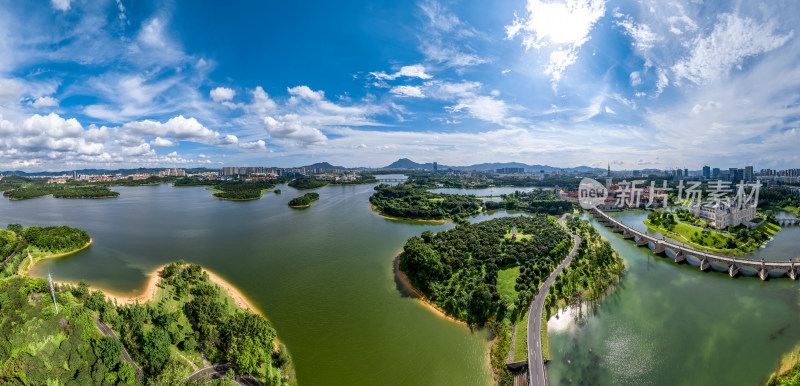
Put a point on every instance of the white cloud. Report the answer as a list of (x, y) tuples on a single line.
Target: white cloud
[(290, 127), (61, 5), (139, 150), (483, 107), (229, 139), (662, 82), (408, 91), (178, 127), (163, 142), (45, 101), (643, 36), (221, 94), (732, 40), (444, 38), (414, 71), (10, 90), (562, 27), (152, 33), (255, 145), (636, 78)]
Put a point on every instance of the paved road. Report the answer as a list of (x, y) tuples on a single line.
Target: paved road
[(107, 331), (536, 374), (219, 371)]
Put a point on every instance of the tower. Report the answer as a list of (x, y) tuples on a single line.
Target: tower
[(52, 292), (608, 177)]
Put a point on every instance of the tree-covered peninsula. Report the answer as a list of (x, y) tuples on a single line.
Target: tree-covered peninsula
[(19, 246), (91, 340), (304, 201), (410, 201), (457, 269)]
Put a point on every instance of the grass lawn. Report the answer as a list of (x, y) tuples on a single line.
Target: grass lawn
[(521, 339), (769, 229), (712, 241), (506, 280)]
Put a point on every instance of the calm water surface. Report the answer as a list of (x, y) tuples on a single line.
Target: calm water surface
[(669, 324), (323, 276)]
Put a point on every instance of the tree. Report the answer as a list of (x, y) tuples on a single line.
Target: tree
[(127, 373), (16, 228), (156, 349), (109, 350)]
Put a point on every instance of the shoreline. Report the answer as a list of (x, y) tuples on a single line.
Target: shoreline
[(433, 222), (399, 274), (148, 293), (30, 267)]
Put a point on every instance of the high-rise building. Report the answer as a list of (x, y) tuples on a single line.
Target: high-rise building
[(748, 173), (706, 172), (715, 173), (732, 174), (686, 172), (435, 166)]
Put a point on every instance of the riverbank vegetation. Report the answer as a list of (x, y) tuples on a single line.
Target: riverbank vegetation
[(686, 227), (239, 190), (17, 243), (771, 200), (459, 271), (21, 188), (536, 201), (415, 202), (304, 201), (313, 183), (165, 337)]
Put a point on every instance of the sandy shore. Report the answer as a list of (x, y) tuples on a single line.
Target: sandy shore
[(418, 294), (150, 290)]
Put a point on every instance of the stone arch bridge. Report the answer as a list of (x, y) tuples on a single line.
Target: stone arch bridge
[(765, 269)]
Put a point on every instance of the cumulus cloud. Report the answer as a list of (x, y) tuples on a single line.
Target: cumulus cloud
[(291, 128), (733, 39), (221, 94), (178, 127), (255, 145), (407, 91), (163, 142), (45, 101), (139, 150), (414, 71), (559, 27)]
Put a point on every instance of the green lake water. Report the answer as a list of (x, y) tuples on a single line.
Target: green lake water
[(670, 324), (323, 275)]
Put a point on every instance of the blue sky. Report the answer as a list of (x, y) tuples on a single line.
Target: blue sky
[(639, 84)]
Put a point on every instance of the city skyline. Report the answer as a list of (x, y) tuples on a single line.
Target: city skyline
[(649, 86)]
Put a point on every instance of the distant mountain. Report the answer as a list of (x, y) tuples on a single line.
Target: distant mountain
[(405, 163), (324, 166)]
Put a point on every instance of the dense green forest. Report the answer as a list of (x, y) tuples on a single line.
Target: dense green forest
[(190, 315), (240, 190), (41, 347), (457, 269), (17, 241), (307, 183), (537, 201), (408, 200), (594, 268), (192, 181), (304, 200)]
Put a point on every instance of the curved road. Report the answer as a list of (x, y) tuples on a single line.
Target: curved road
[(219, 372), (536, 374)]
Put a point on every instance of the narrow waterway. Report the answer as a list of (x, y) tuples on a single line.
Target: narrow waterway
[(670, 324)]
